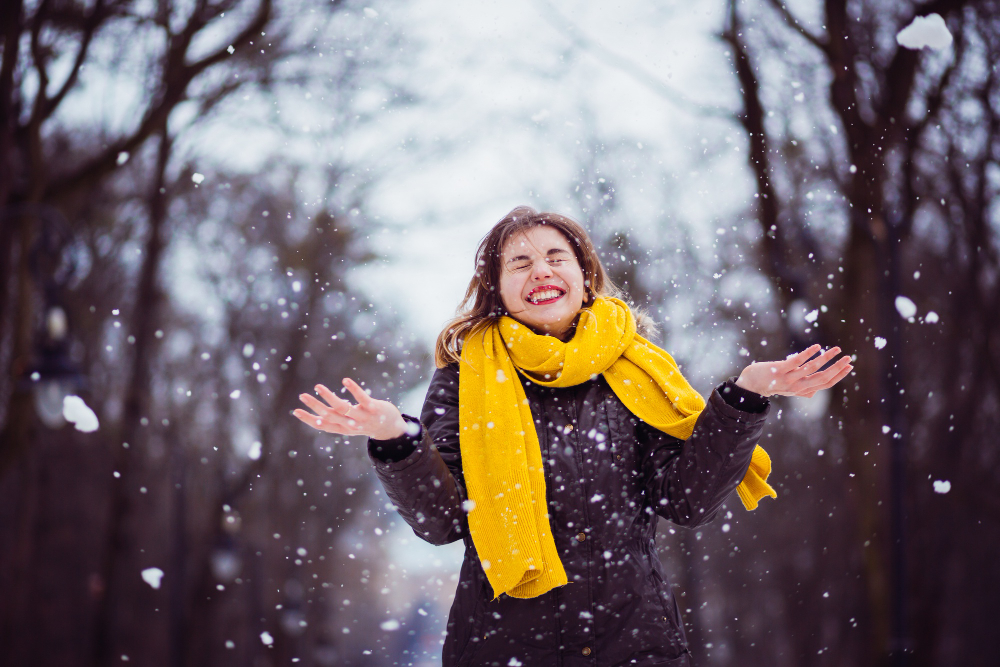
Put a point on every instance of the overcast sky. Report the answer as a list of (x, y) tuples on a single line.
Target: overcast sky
[(515, 100)]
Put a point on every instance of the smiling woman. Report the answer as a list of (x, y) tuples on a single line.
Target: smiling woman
[(546, 259), (553, 436)]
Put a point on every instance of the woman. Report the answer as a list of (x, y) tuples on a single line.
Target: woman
[(552, 438)]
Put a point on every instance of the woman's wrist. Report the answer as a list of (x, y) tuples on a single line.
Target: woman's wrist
[(743, 383), (397, 428)]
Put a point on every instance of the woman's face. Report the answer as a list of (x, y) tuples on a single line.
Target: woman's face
[(541, 282)]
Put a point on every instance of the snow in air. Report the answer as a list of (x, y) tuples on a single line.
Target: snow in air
[(931, 317), (390, 625), (905, 307), (152, 576), (879, 342), (266, 639), (812, 315), (929, 31), (942, 486), (75, 411), (197, 178)]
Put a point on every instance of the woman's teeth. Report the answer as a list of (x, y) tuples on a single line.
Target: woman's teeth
[(544, 295)]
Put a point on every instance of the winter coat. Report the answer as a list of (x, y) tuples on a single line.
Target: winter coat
[(608, 478)]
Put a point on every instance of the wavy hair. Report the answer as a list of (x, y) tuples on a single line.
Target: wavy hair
[(482, 304)]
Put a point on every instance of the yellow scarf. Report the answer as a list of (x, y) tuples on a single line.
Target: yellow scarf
[(501, 457)]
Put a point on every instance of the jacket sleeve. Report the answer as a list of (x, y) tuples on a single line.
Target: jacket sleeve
[(687, 481), (422, 472)]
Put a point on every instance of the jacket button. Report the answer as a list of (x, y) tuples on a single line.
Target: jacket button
[(618, 456), (580, 538), (586, 650)]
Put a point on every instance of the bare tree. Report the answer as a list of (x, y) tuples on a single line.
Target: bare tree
[(179, 462), (890, 159)]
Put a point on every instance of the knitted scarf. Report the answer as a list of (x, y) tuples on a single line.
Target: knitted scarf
[(501, 456)]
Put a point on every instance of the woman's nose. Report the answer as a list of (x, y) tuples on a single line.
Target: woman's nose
[(541, 270)]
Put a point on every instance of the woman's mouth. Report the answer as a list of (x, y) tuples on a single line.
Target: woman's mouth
[(544, 294)]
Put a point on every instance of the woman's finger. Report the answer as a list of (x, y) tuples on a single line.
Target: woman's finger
[(338, 404), (331, 422), (310, 419), (819, 377), (841, 374), (316, 405), (831, 376), (822, 377), (811, 367), (796, 360), (358, 393)]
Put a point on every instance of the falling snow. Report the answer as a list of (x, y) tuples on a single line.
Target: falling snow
[(925, 31), (152, 576), (905, 307), (75, 411)]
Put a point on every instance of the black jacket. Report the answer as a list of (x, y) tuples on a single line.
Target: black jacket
[(608, 477)]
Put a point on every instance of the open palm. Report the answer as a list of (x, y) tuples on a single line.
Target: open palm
[(797, 375), (376, 419)]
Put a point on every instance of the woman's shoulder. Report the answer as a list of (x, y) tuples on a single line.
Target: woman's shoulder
[(444, 382), (449, 371)]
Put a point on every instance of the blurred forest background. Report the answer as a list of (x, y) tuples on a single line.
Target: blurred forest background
[(208, 206)]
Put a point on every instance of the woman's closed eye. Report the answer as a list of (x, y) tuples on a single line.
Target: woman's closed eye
[(552, 261), (522, 264)]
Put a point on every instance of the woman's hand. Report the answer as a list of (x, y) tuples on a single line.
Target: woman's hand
[(795, 376), (380, 420)]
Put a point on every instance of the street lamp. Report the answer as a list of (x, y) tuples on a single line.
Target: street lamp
[(55, 375), (51, 375)]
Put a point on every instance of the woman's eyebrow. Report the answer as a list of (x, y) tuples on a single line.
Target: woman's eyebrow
[(553, 251)]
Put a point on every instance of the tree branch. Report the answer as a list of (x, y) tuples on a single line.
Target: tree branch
[(798, 27), (752, 119), (177, 76), (629, 67), (89, 29)]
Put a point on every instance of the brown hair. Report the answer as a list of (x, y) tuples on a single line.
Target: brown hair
[(482, 304)]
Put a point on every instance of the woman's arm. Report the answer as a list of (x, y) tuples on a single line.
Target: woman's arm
[(687, 481), (422, 472), (417, 464)]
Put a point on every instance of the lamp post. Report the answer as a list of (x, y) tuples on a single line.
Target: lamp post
[(54, 375), (51, 374)]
